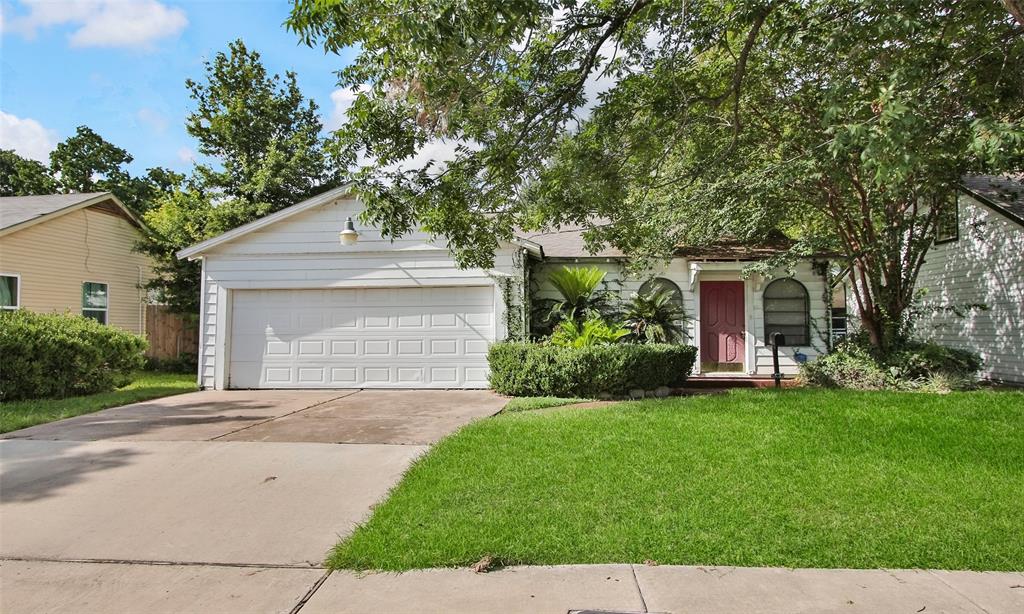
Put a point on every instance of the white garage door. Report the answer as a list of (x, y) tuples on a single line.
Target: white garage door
[(361, 338)]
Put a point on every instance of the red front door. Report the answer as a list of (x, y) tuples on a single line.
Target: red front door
[(721, 325)]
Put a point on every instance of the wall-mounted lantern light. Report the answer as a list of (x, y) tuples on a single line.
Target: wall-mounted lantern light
[(349, 236)]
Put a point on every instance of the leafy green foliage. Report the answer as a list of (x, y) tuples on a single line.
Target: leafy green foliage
[(592, 331), (59, 355), (86, 162), (23, 177), (847, 366), (838, 121), (265, 135), (916, 365), (583, 297), (532, 369), (655, 317), (261, 129)]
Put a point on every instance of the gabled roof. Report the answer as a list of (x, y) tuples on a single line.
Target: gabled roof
[(263, 222), (1004, 193), (18, 212), (321, 199)]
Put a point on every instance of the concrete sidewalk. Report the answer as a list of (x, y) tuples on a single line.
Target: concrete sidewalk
[(675, 589), (105, 587)]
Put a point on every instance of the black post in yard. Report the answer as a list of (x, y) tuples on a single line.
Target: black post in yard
[(777, 340)]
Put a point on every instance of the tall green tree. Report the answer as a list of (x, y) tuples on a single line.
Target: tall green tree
[(23, 177), (263, 133), (846, 123), (86, 162), (265, 139)]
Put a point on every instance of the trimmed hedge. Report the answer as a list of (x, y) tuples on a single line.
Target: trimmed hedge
[(533, 369), (60, 355)]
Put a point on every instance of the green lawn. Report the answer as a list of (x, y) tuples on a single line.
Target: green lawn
[(147, 385), (529, 403), (801, 478)]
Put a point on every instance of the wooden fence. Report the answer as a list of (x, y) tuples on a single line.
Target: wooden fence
[(169, 334)]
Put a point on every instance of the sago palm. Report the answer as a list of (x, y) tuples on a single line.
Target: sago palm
[(655, 317), (581, 295)]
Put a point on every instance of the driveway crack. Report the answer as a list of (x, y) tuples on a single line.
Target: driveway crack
[(291, 413), (309, 594)]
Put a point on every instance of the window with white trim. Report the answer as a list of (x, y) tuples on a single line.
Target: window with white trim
[(95, 301), (10, 291), (787, 310)]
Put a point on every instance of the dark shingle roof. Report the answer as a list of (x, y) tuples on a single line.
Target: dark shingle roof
[(16, 210), (568, 242), (1003, 192)]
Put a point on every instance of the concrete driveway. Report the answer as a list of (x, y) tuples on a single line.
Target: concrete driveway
[(133, 500)]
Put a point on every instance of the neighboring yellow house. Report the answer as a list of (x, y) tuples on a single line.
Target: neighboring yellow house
[(73, 253)]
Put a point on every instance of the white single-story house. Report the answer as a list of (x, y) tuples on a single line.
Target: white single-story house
[(973, 277), (286, 304)]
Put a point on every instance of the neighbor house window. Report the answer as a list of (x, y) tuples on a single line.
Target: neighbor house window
[(947, 227), (10, 291), (787, 311), (95, 300)]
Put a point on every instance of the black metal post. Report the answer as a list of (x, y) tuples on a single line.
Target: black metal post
[(777, 340)]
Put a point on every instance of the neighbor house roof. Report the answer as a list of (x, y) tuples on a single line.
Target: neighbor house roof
[(1004, 193), (568, 242), (17, 212)]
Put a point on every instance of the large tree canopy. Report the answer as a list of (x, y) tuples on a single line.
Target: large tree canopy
[(262, 131), (267, 152), (842, 122)]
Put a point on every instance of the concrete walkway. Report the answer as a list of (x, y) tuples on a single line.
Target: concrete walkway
[(29, 586)]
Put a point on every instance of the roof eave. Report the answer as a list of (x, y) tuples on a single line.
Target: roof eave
[(991, 204), (89, 202), (197, 250)]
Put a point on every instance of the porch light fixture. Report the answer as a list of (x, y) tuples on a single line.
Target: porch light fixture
[(348, 236)]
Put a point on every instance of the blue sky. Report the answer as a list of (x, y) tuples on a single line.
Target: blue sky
[(119, 66)]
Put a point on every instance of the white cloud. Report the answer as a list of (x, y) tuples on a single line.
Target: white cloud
[(27, 137), (186, 155), (101, 23), (152, 118), (341, 102)]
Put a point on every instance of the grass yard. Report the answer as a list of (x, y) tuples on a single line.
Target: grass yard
[(802, 478), (530, 403), (147, 385)]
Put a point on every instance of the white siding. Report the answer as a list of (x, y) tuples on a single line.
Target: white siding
[(985, 266), (303, 251), (758, 355)]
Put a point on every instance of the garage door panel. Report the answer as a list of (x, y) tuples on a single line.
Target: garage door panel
[(376, 337)]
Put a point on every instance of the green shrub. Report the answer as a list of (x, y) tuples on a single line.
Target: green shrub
[(593, 331), (533, 369), (847, 366), (922, 360), (60, 355), (918, 365)]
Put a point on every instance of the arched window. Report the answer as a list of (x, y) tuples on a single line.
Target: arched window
[(787, 311), (660, 283)]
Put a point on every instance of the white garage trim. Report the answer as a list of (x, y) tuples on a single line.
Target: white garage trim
[(399, 337)]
